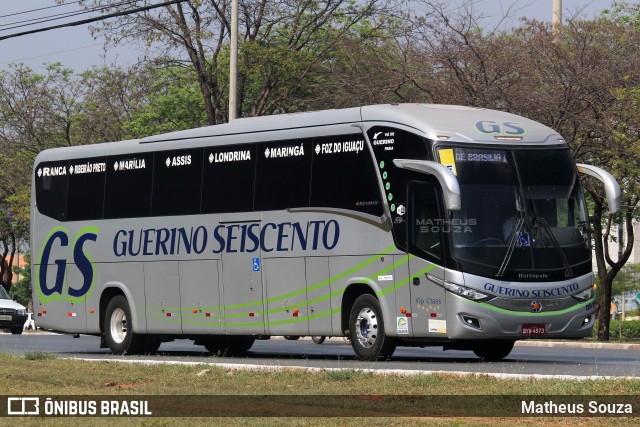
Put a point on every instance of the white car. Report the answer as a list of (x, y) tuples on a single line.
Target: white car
[(12, 314)]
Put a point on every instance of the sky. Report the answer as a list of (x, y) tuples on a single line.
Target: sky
[(75, 48)]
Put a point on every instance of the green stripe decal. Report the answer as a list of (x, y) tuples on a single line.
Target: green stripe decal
[(301, 291), (215, 321), (399, 284)]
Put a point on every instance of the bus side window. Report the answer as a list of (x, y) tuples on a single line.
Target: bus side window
[(228, 178), (177, 182), (283, 174), (425, 222), (343, 175), (52, 180), (128, 186), (85, 200)]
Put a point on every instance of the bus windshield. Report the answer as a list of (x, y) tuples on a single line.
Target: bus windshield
[(523, 214)]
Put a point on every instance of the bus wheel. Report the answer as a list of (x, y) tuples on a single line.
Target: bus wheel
[(17, 330), (491, 351), (318, 339), (366, 330), (118, 330)]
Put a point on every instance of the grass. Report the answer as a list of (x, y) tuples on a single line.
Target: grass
[(43, 375)]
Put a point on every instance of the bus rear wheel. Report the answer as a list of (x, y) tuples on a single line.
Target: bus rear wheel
[(318, 339), (119, 333), (366, 330), (494, 350)]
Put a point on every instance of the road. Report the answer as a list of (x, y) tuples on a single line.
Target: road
[(577, 360)]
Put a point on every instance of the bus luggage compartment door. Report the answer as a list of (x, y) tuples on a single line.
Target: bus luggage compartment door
[(241, 291)]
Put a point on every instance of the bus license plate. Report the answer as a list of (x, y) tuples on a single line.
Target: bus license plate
[(534, 329), (5, 317)]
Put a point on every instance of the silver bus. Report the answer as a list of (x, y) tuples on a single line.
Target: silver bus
[(393, 225)]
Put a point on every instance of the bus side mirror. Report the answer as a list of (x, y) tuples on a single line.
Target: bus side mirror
[(611, 187), (446, 178)]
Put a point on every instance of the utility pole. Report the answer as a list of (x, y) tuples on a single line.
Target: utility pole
[(233, 67), (556, 17)]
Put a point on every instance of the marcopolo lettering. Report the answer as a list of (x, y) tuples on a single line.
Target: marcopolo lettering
[(230, 238)]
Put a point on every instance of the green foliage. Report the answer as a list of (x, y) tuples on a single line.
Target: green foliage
[(624, 13), (22, 288), (39, 355), (630, 329), (174, 102), (627, 280)]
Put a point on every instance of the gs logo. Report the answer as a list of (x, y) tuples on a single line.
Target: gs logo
[(505, 128), (59, 237)]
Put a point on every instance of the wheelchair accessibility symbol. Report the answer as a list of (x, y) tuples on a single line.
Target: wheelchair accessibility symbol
[(523, 239), (256, 264)]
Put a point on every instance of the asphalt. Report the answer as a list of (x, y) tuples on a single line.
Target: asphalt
[(520, 343)]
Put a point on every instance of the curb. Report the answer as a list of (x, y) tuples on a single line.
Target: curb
[(572, 344), (520, 343)]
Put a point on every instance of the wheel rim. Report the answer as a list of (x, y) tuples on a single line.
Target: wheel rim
[(118, 325), (367, 327)]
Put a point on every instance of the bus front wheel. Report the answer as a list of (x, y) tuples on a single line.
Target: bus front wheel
[(491, 351), (119, 333), (366, 330)]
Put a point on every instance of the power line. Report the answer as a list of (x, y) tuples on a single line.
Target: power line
[(34, 21), (90, 20), (49, 54), (36, 10)]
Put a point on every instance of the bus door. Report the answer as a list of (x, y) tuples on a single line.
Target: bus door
[(426, 264), (241, 291)]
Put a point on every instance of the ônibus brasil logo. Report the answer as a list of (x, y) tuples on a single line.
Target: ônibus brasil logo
[(52, 286)]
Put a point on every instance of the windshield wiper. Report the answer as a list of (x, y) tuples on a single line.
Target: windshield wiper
[(542, 223), (511, 247)]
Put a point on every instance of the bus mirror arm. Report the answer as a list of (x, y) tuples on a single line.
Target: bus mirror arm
[(446, 178), (611, 187)]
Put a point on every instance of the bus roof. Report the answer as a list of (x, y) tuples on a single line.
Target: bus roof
[(437, 122)]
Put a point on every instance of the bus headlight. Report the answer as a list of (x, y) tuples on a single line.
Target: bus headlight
[(585, 295), (468, 293), (21, 312)]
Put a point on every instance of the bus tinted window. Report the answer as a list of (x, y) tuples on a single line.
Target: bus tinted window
[(283, 174), (344, 175), (86, 189), (128, 188), (228, 179), (51, 189), (389, 144), (177, 182)]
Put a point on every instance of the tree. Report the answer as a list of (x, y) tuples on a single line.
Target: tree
[(22, 288), (581, 81), (281, 43), (37, 111)]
